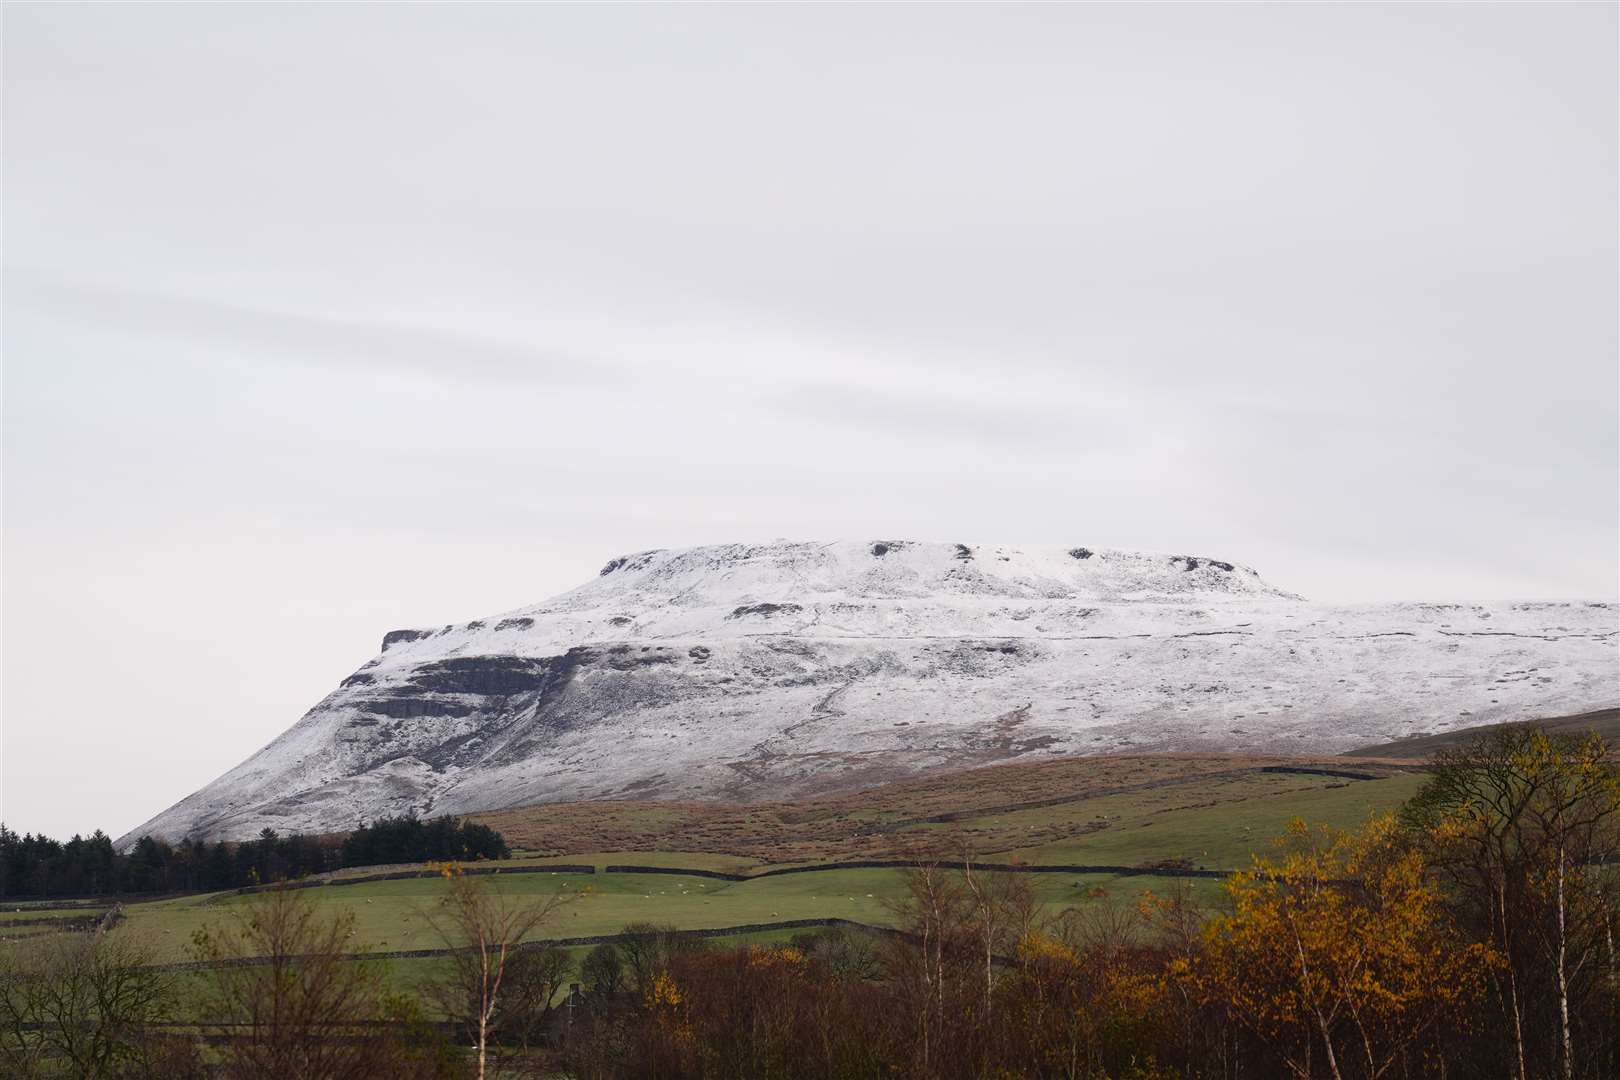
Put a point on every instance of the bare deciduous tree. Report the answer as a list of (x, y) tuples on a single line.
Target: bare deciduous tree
[(290, 1000), (484, 925), (647, 950), (533, 978), (86, 1001), (603, 970)]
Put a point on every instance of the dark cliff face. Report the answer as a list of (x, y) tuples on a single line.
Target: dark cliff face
[(458, 710), (765, 610), (488, 675), (461, 686), (409, 708), (396, 637)]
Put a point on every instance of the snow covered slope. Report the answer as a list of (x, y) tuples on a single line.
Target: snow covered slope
[(759, 671)]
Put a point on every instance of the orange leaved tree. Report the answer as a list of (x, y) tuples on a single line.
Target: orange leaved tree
[(1523, 829), (1340, 946)]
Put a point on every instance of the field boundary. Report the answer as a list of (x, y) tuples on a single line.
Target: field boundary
[(96, 914), (540, 943), (403, 875), (941, 864), (1317, 770)]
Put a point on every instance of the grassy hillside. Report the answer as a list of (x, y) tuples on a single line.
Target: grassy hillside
[(1605, 722), (1208, 811), (1059, 808)]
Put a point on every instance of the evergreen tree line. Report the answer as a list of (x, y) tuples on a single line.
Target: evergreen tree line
[(38, 867)]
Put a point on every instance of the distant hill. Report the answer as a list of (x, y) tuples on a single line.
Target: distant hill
[(747, 672)]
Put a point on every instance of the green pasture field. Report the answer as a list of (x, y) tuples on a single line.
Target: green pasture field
[(1218, 833), (395, 915), (1216, 823), (14, 913), (411, 976), (686, 860)]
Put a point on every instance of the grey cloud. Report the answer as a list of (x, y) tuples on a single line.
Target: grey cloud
[(301, 338), (915, 412)]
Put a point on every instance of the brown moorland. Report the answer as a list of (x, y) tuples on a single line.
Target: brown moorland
[(1604, 722), (986, 808)]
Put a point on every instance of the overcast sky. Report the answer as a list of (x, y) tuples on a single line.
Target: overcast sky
[(323, 321)]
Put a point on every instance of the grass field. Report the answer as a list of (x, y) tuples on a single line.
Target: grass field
[(394, 915), (1210, 811), (22, 913), (1218, 825)]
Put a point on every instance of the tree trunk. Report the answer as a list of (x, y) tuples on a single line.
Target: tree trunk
[(483, 1005), (1608, 944), (927, 994), (1512, 977), (1321, 1021), (1568, 1069), (989, 983), (1327, 1043)]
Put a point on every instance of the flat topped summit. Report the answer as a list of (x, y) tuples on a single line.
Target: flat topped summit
[(841, 589), (890, 569), (744, 671)]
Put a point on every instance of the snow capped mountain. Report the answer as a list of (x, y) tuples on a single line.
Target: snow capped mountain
[(759, 671)]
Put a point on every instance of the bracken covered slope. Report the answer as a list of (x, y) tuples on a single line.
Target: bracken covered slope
[(761, 671)]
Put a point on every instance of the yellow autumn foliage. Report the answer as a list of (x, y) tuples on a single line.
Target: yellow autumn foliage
[(663, 992), (1342, 940)]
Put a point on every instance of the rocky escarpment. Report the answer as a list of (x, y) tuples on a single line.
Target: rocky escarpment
[(745, 671)]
